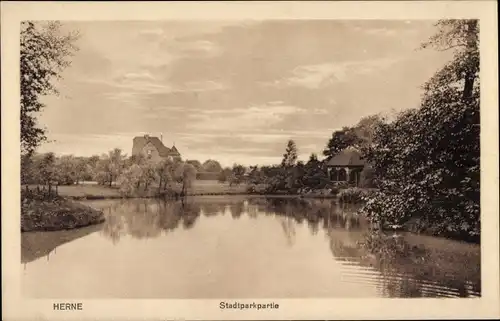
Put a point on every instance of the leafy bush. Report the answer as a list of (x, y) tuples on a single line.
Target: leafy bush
[(427, 160), (352, 195), (256, 189)]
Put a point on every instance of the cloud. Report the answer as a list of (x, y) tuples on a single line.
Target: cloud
[(232, 91), (316, 76), (323, 75), (143, 75), (135, 87), (320, 111), (88, 144), (200, 46), (185, 48), (153, 32), (381, 32), (122, 97), (197, 86), (238, 119)]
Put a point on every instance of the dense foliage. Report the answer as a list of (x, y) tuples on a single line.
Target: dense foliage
[(44, 55), (427, 160), (340, 140), (360, 135), (291, 176)]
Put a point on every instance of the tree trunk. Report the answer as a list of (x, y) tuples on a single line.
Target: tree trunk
[(469, 85), (471, 46)]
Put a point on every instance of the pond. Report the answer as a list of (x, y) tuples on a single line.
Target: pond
[(242, 247)]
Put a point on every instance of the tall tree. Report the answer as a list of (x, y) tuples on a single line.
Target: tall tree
[(359, 136), (91, 167), (66, 166), (461, 36), (149, 173), (340, 140), (48, 170), (111, 165), (195, 163), (116, 163), (185, 174), (290, 155), (289, 173), (427, 160), (237, 174), (130, 180), (314, 175), (365, 130), (256, 175), (45, 52), (164, 170), (211, 165)]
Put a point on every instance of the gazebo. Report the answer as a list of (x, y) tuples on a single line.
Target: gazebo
[(346, 166)]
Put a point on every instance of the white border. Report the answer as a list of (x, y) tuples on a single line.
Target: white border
[(16, 308)]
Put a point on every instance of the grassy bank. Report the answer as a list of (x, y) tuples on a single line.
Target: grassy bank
[(93, 191), (43, 213), (87, 190)]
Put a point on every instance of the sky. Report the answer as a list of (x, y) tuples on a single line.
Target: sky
[(233, 91)]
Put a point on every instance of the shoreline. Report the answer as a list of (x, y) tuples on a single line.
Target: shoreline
[(67, 213), (112, 197), (57, 214), (82, 216)]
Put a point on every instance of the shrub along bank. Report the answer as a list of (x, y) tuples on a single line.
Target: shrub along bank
[(42, 212)]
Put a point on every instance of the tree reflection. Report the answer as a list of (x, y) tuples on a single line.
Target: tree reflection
[(288, 226), (252, 210), (237, 209), (409, 270), (399, 265), (212, 209), (189, 212), (171, 215), (113, 227)]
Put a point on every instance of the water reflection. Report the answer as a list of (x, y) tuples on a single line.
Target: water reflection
[(403, 265), (397, 264)]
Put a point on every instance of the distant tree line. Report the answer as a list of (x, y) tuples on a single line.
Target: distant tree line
[(294, 176), (132, 175)]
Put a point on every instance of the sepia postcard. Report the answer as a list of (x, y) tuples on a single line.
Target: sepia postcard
[(249, 160)]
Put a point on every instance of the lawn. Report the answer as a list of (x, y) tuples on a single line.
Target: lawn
[(93, 190), (214, 187), (87, 189)]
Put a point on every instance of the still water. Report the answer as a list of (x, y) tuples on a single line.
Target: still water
[(235, 247)]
